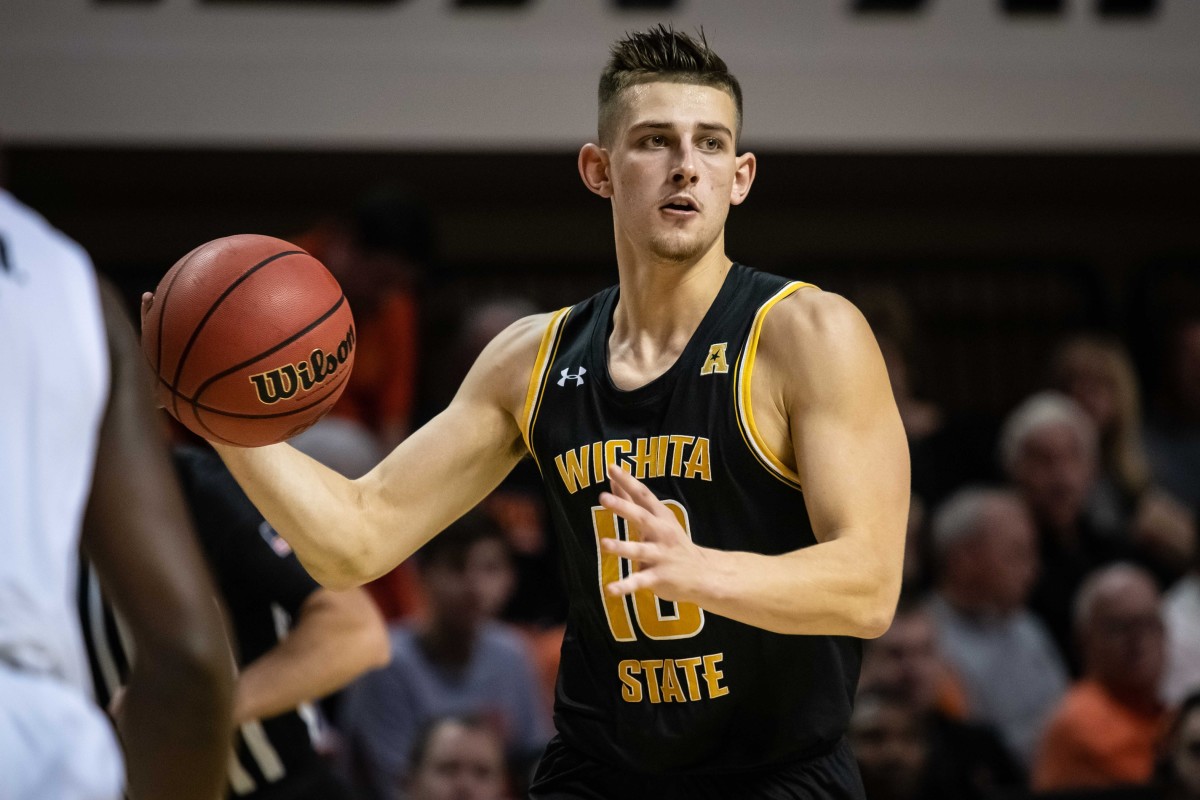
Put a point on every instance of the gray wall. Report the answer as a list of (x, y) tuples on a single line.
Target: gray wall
[(423, 74)]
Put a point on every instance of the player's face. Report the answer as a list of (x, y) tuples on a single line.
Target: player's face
[(671, 169), (462, 764)]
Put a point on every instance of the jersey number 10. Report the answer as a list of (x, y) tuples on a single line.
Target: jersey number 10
[(657, 618)]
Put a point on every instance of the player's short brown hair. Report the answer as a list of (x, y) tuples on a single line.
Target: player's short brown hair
[(661, 54)]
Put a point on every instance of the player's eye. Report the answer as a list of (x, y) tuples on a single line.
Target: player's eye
[(712, 143)]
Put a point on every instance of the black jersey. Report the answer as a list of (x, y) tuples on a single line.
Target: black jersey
[(263, 587), (647, 684)]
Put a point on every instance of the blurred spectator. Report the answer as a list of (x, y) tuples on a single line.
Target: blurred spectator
[(1173, 430), (538, 604), (458, 758), (905, 662), (891, 320), (890, 741), (986, 554), (341, 444), (917, 573), (379, 253), (1049, 450), (1179, 771), (1105, 731), (1097, 372), (294, 641), (899, 758), (454, 659), (1181, 613), (947, 449), (904, 665)]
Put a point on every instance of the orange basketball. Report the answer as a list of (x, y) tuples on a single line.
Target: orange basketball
[(251, 338)]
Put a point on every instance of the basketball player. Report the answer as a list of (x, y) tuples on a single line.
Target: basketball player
[(79, 447), (292, 640), (724, 462)]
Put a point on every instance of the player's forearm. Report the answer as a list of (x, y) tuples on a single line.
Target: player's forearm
[(316, 510), (174, 723), (840, 587), (337, 637)]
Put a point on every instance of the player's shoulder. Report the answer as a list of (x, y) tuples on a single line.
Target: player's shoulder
[(508, 360), (811, 321), (526, 334), (37, 234)]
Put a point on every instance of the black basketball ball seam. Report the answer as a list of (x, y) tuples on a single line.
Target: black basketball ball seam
[(203, 424), (333, 387), (194, 399), (162, 315), (212, 310)]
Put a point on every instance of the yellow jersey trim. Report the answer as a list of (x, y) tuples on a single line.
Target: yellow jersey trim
[(745, 408), (537, 378)]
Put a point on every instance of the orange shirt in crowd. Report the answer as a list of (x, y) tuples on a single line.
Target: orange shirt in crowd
[(1093, 741)]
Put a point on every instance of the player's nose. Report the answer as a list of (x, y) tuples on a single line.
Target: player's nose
[(684, 170)]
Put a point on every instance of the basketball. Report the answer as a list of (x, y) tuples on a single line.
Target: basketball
[(251, 338)]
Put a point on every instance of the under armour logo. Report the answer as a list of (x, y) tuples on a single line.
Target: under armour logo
[(567, 376)]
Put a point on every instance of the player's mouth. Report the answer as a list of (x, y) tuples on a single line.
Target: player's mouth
[(680, 206)]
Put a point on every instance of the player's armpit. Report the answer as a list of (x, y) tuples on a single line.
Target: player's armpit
[(349, 532)]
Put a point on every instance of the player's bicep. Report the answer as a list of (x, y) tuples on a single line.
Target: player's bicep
[(850, 447)]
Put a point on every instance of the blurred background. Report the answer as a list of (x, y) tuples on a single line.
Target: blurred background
[(1018, 168), (1009, 189)]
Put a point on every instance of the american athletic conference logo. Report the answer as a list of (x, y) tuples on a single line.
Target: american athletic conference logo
[(567, 376)]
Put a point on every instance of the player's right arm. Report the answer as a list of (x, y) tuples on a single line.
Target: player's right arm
[(347, 532), (175, 717)]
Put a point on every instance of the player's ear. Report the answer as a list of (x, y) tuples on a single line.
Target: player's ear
[(742, 178), (593, 168)]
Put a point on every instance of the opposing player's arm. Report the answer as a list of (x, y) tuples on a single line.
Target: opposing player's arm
[(347, 532), (336, 637), (823, 402), (175, 717)]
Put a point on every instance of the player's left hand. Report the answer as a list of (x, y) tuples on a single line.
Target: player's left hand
[(669, 564)]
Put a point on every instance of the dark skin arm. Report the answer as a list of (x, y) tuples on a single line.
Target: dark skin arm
[(175, 716)]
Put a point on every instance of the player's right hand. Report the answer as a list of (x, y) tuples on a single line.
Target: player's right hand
[(147, 303)]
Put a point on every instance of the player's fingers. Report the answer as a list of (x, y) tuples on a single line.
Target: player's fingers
[(632, 489), (147, 302), (642, 579), (626, 509), (618, 484), (634, 551)]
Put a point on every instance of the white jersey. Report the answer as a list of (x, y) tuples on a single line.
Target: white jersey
[(54, 378)]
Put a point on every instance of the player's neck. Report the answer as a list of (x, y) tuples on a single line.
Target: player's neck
[(660, 307)]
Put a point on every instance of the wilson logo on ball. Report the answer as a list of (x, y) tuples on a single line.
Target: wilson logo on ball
[(283, 382)]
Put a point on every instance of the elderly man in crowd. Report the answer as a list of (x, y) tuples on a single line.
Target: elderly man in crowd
[(986, 553), (1049, 450), (1105, 731)]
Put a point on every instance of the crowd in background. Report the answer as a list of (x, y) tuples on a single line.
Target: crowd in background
[(1047, 639)]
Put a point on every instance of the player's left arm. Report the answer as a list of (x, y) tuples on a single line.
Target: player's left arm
[(821, 386), (337, 636)]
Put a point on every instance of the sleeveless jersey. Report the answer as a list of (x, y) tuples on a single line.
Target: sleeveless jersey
[(646, 684), (52, 401)]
